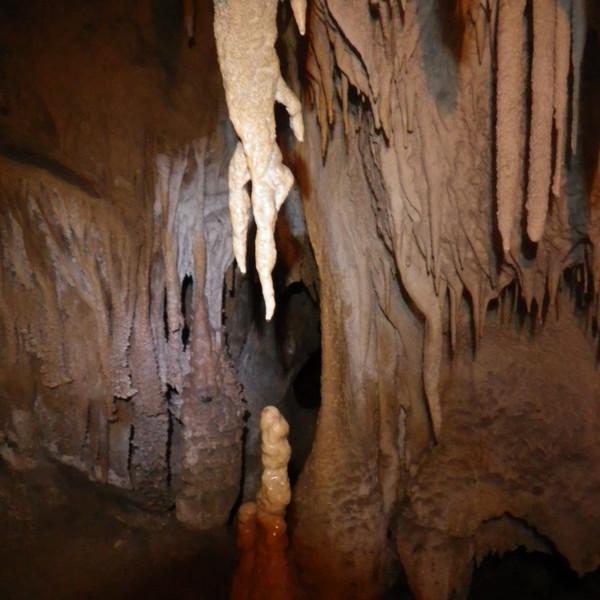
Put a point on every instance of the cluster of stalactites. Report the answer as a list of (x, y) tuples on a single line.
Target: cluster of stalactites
[(559, 29), (374, 63), (538, 50)]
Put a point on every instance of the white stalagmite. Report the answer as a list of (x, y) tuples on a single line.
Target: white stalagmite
[(510, 122), (561, 86), (274, 494), (245, 34), (540, 139)]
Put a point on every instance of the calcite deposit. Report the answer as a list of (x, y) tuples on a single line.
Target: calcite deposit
[(245, 32)]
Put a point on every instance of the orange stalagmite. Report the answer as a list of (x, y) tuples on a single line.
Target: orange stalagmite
[(264, 571)]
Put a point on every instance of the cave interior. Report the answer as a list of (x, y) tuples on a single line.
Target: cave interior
[(432, 341)]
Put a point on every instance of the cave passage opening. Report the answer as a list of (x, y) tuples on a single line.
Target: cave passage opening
[(531, 576)]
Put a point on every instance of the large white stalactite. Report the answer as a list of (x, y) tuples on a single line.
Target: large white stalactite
[(245, 33)]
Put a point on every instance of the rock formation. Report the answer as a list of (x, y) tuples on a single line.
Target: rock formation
[(265, 572), (245, 32)]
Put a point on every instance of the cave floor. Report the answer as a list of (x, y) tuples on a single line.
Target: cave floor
[(64, 537)]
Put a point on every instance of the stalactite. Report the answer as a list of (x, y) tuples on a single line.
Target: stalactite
[(245, 34), (169, 177), (540, 139), (319, 43), (147, 465), (436, 170), (419, 286), (319, 100), (345, 106), (481, 24), (578, 33), (189, 20), (510, 126), (561, 87), (320, 68), (203, 367), (455, 294), (119, 275)]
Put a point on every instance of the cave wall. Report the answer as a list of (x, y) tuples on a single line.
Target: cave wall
[(114, 143)]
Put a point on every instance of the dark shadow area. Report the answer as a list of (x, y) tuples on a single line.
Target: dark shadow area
[(521, 575), (167, 22), (589, 118), (307, 385), (64, 537)]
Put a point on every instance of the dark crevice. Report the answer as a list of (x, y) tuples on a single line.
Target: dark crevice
[(187, 289), (240, 498), (307, 385), (165, 316), (131, 448)]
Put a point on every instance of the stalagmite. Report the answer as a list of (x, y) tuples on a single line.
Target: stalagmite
[(510, 125), (264, 571), (561, 87), (245, 33), (540, 139), (274, 494)]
